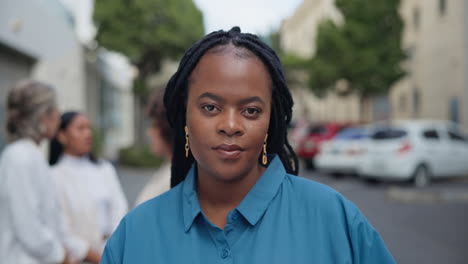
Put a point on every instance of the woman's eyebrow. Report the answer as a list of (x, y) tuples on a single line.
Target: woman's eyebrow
[(222, 100), (212, 96), (251, 100)]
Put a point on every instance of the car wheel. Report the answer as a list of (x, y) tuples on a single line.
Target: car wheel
[(337, 175), (372, 181), (309, 164), (422, 176)]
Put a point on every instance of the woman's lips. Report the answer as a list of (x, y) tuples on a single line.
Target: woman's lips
[(227, 151)]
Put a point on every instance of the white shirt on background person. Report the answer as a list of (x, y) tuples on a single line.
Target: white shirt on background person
[(91, 196), (159, 183), (32, 227)]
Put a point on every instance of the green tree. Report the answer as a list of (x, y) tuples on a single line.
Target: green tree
[(293, 65), (365, 50), (147, 31)]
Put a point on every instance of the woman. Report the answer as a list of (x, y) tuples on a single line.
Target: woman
[(31, 225), (229, 106), (160, 134), (89, 189)]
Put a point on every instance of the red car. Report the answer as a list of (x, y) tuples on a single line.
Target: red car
[(310, 144)]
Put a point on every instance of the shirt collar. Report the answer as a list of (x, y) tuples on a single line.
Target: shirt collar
[(73, 159), (254, 204)]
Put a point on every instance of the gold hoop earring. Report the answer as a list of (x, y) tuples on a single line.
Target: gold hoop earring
[(264, 155), (187, 148)]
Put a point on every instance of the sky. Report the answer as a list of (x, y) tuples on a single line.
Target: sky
[(253, 16)]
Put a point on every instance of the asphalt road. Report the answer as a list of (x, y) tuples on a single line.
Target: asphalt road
[(428, 225)]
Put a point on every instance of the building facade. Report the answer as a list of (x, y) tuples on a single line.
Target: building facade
[(435, 37), (436, 40), (50, 41), (298, 34)]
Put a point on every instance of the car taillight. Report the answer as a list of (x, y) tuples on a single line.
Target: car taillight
[(405, 148)]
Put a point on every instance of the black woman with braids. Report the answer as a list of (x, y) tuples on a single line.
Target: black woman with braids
[(235, 197)]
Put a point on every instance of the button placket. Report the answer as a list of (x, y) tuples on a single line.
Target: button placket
[(222, 244)]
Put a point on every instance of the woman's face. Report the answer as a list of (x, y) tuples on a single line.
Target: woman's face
[(228, 114), (158, 144), (77, 137)]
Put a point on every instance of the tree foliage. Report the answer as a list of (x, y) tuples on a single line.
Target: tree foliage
[(147, 31), (292, 64), (365, 50)]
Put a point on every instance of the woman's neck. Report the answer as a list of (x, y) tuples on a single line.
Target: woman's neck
[(217, 198), (73, 154)]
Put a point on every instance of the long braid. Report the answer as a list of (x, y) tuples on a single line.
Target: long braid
[(176, 95)]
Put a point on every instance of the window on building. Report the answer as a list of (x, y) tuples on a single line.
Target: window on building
[(454, 110), (402, 103), (416, 18), (442, 7), (416, 101), (409, 51), (2, 121)]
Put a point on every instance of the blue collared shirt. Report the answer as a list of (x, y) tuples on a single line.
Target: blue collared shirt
[(283, 219)]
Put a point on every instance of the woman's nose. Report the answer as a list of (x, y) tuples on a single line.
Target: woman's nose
[(231, 123)]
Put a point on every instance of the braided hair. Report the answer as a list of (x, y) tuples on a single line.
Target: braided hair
[(175, 99)]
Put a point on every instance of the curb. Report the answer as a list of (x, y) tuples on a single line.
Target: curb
[(405, 195)]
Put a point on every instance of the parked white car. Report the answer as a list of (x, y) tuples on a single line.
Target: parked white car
[(416, 150), (344, 153)]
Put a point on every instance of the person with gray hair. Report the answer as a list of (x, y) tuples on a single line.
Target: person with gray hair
[(32, 227)]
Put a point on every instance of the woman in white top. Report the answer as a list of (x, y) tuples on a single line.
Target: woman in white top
[(32, 228), (160, 134), (89, 189)]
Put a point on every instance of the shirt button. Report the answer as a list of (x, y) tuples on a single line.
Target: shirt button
[(224, 253), (235, 217)]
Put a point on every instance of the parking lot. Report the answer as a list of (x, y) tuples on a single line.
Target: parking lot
[(419, 225)]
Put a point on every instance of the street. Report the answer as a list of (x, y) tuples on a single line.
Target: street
[(428, 225)]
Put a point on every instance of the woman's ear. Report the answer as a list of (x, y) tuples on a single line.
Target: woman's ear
[(62, 138)]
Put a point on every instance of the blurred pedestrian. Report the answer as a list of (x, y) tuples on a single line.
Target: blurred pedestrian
[(89, 189), (32, 229), (160, 134), (235, 196)]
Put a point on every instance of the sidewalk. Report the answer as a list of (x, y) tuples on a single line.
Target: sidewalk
[(133, 180), (441, 191)]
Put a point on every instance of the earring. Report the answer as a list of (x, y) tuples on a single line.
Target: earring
[(264, 155), (186, 142)]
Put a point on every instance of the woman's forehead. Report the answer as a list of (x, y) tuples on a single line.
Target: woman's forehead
[(233, 79), (224, 57), (238, 51)]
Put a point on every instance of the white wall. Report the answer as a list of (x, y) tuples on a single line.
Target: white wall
[(43, 28)]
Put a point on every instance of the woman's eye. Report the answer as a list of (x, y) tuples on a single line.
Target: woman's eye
[(209, 108), (252, 112)]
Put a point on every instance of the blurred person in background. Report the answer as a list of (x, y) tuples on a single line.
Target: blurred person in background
[(32, 228), (160, 134), (89, 189)]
